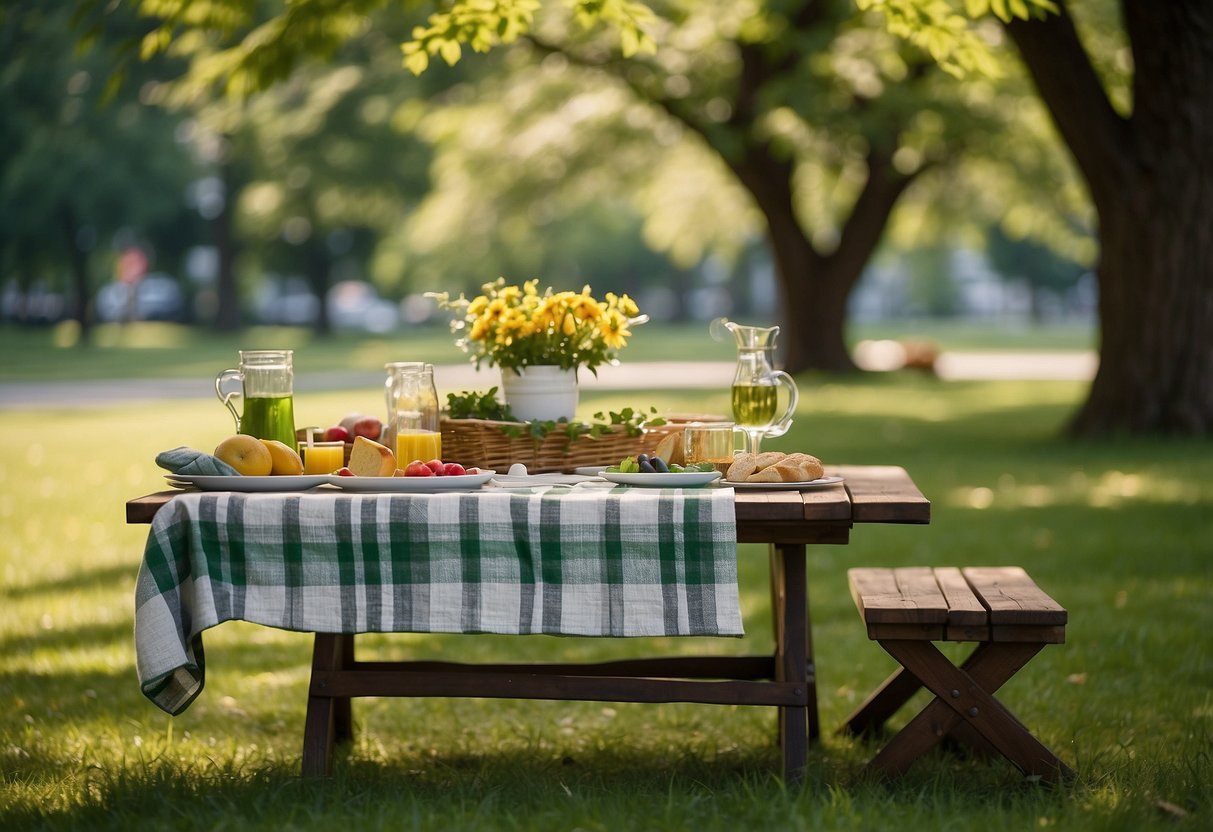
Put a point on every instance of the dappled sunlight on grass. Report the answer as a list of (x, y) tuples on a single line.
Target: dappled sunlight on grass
[(1118, 532)]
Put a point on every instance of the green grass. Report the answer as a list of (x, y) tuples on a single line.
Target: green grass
[(154, 350), (1121, 533)]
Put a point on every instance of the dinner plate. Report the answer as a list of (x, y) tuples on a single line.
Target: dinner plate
[(212, 482), (684, 479), (415, 485), (820, 482), (590, 470)]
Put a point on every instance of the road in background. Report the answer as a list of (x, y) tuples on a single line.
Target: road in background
[(451, 378)]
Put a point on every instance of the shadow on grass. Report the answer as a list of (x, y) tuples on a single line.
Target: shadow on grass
[(105, 577), (527, 789)]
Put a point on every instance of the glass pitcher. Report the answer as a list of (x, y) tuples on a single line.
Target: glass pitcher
[(412, 412), (756, 383), (265, 380)]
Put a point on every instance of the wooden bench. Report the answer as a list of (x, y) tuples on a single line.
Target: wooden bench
[(1001, 609)]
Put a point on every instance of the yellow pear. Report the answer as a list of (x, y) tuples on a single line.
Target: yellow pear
[(246, 454), (285, 462)]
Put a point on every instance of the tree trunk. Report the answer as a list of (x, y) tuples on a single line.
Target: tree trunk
[(1151, 179), (815, 287), (227, 312), (82, 297), (318, 268)]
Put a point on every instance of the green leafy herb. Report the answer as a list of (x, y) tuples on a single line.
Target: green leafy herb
[(473, 405)]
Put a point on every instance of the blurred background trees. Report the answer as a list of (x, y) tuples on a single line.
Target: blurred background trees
[(798, 160)]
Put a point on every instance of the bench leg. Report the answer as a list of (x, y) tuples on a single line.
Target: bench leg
[(964, 696), (882, 703), (793, 652), (329, 719)]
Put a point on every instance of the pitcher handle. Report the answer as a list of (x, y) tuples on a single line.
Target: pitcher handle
[(781, 425), (221, 381)]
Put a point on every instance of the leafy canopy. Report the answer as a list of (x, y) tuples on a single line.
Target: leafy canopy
[(234, 48)]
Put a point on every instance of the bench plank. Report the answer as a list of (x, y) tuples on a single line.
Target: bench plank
[(1013, 598), (903, 596)]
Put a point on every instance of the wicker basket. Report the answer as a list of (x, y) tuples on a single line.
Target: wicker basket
[(483, 443)]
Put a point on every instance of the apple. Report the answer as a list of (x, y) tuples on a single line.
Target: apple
[(337, 433), (359, 425), (453, 469), (368, 426), (247, 454), (344, 472), (435, 465), (472, 470), (417, 468)]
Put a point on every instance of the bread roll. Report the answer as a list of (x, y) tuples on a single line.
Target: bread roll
[(745, 464), (670, 448), (774, 466)]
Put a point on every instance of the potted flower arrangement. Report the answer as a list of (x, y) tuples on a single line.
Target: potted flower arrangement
[(540, 339)]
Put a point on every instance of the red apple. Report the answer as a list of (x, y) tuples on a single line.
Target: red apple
[(368, 426), (344, 472), (435, 465), (417, 468), (337, 434), (453, 469)]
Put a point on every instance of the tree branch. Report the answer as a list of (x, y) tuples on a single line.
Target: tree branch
[(869, 216), (1097, 136)]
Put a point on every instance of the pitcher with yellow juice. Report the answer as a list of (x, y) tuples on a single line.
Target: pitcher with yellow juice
[(422, 445)]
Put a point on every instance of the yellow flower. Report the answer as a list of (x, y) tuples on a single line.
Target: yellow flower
[(613, 329), (514, 326)]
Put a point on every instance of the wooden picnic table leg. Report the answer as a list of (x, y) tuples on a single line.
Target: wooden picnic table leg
[(792, 655), (329, 719), (967, 697)]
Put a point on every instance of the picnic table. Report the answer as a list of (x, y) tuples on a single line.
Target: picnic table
[(339, 564)]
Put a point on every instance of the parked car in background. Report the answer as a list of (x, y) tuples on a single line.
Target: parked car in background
[(156, 297), (354, 304)]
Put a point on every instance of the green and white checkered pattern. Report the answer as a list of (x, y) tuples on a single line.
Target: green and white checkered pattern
[(580, 561)]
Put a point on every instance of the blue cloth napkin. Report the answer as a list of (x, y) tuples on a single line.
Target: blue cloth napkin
[(185, 460)]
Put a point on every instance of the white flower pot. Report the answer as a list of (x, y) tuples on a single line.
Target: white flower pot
[(540, 392)]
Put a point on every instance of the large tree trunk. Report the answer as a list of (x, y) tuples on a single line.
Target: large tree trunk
[(1151, 179), (814, 287)]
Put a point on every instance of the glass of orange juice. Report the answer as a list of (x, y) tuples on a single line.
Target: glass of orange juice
[(417, 444), (322, 457)]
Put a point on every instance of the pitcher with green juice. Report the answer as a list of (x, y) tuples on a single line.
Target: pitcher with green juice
[(265, 380), (756, 383)]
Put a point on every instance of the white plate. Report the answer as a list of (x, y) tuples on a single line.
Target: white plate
[(590, 470), (821, 482), (386, 485), (211, 482), (684, 479)]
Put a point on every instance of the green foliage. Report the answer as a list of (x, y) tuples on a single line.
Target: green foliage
[(472, 405), (484, 24), (943, 31), (476, 405)]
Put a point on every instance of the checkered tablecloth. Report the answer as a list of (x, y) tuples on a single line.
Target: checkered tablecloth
[(570, 561)]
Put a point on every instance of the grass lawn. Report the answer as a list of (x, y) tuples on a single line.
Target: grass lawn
[(1121, 533), (152, 350)]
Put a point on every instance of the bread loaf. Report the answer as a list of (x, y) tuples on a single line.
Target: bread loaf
[(773, 466), (370, 459)]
